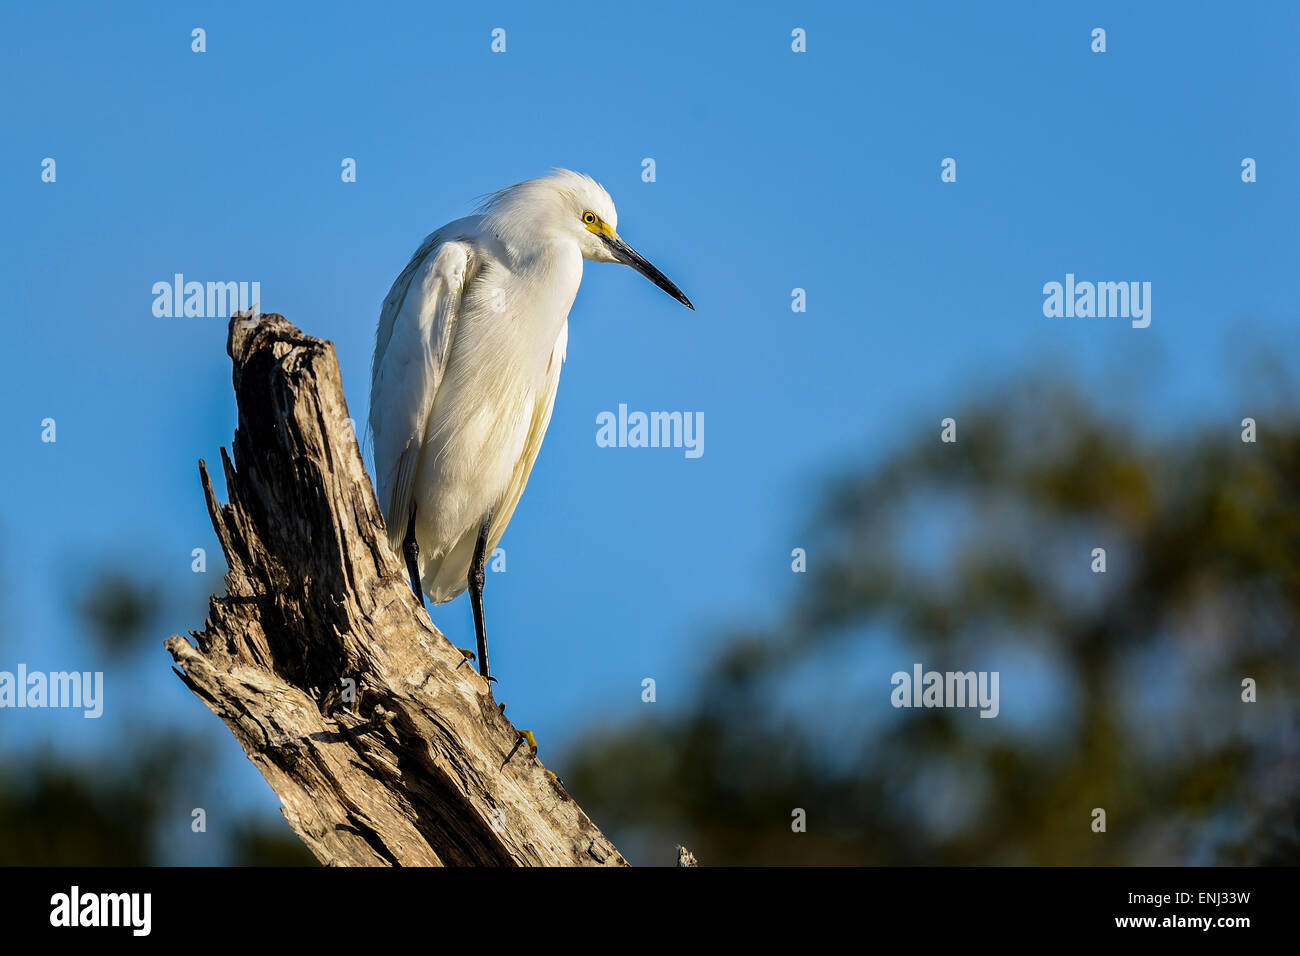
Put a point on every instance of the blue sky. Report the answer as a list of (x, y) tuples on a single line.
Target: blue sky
[(775, 170)]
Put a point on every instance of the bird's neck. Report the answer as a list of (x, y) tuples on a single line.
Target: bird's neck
[(539, 263)]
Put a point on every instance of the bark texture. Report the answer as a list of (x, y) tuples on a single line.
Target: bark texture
[(382, 742)]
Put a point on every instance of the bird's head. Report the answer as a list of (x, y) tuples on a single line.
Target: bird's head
[(576, 207)]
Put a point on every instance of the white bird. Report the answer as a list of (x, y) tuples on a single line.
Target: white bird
[(467, 362)]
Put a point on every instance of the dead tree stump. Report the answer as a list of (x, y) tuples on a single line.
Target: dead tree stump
[(382, 742)]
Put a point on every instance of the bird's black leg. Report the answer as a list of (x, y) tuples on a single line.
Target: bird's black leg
[(411, 549), (476, 593)]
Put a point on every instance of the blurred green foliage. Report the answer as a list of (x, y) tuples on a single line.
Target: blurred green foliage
[(977, 555), (118, 609), (119, 807)]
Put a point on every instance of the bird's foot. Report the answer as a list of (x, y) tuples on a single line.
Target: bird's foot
[(526, 736), (469, 656)]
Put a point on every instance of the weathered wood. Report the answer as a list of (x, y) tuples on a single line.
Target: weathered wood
[(419, 767)]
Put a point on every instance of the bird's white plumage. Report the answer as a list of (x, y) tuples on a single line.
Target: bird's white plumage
[(467, 363), (415, 335)]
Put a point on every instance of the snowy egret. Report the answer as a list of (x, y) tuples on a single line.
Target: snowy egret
[(467, 361)]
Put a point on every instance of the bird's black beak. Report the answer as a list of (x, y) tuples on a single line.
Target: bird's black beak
[(630, 257)]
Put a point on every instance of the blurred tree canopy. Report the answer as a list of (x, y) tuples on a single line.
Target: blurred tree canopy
[(1120, 690), (119, 807)]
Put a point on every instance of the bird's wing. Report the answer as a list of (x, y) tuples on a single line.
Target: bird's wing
[(416, 328), (537, 425)]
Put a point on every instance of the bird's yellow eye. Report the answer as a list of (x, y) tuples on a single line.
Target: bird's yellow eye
[(589, 217)]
